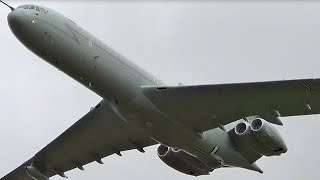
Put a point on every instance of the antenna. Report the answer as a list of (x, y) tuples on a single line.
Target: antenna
[(7, 5)]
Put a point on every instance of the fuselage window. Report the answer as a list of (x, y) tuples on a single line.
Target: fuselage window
[(32, 7)]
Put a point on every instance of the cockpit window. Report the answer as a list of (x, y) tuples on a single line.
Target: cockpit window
[(24, 6), (43, 10), (32, 7)]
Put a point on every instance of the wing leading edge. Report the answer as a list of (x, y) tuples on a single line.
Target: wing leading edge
[(98, 134), (205, 107)]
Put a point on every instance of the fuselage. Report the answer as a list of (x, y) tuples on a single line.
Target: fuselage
[(68, 47)]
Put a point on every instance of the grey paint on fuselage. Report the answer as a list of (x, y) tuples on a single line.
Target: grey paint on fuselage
[(62, 43)]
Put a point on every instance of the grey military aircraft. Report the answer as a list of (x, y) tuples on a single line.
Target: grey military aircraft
[(198, 128)]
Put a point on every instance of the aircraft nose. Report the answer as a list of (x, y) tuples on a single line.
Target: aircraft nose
[(18, 22), (15, 20)]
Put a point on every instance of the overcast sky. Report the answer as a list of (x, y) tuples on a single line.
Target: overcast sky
[(189, 42)]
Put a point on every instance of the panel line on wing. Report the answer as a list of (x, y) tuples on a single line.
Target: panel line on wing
[(309, 88)]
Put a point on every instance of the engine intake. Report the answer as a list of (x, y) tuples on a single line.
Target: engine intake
[(163, 150), (242, 128), (256, 124)]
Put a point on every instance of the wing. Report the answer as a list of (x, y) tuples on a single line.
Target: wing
[(96, 135), (209, 106)]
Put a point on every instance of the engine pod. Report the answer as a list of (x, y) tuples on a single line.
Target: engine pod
[(182, 161)]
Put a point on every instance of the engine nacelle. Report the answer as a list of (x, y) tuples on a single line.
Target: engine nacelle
[(261, 136), (182, 161)]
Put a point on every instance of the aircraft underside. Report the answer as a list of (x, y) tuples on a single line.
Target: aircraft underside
[(198, 128)]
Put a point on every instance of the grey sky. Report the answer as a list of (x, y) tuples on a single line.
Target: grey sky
[(190, 42)]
